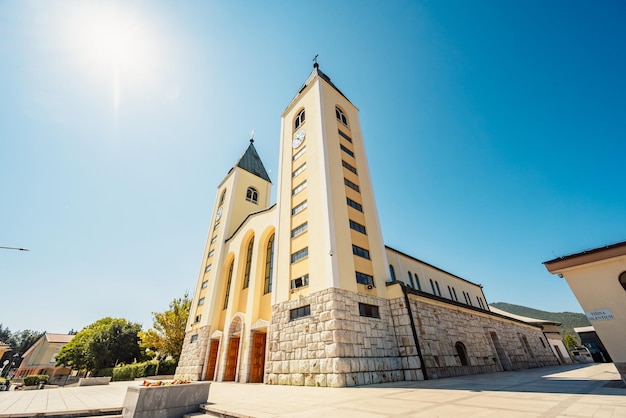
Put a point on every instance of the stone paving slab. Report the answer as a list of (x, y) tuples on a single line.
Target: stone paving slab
[(563, 391)]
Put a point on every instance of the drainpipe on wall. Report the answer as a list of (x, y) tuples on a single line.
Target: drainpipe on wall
[(417, 344)]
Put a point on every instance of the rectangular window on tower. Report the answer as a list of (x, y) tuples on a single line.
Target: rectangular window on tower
[(351, 185), (347, 151), (370, 311), (364, 278), (354, 205), (346, 137), (357, 227), (300, 282), (361, 252), (348, 167), (298, 188), (300, 255), (300, 312), (298, 170), (299, 208), (299, 154), (299, 230)]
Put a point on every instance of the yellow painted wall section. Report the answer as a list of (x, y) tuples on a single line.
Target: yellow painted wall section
[(403, 264), (596, 286)]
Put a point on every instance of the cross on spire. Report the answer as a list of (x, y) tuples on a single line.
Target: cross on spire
[(315, 64)]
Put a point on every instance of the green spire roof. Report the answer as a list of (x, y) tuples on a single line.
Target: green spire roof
[(251, 162)]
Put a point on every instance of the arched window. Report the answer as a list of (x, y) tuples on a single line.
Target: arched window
[(252, 195), (269, 265), (417, 282), (341, 117), (438, 290), (299, 120), (246, 274), (432, 286), (392, 272), (223, 197), (228, 281), (462, 352), (411, 280), (622, 280)]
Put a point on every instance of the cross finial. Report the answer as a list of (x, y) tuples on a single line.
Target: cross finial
[(252, 136), (315, 64)]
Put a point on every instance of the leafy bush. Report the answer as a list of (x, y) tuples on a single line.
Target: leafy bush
[(103, 372), (132, 371), (34, 379), (167, 367)]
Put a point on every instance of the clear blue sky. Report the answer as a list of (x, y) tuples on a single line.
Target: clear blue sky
[(495, 132)]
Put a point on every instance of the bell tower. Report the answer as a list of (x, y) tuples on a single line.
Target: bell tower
[(331, 265), (329, 234)]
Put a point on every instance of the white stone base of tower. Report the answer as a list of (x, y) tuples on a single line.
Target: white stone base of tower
[(334, 346), (194, 354)]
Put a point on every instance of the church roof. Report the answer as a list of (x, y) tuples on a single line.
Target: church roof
[(317, 72), (251, 162)]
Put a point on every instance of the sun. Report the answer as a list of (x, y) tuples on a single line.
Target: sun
[(113, 42)]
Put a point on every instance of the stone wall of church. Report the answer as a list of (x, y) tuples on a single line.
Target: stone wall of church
[(440, 327), (193, 354), (333, 346)]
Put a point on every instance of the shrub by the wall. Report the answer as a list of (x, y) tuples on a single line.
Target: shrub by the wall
[(167, 367), (34, 379)]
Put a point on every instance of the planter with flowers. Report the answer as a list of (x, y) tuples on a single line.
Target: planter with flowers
[(166, 399)]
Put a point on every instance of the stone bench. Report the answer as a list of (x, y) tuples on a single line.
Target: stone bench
[(93, 381)]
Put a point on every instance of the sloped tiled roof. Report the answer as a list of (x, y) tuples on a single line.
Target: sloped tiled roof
[(251, 162), (58, 338)]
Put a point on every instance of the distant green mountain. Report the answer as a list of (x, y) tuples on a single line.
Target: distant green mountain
[(568, 320)]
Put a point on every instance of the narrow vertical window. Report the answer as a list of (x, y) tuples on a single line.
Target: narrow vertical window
[(432, 286), (269, 265), (223, 197), (411, 280), (392, 273), (341, 117), (228, 281), (246, 275), (438, 290), (299, 120), (417, 282)]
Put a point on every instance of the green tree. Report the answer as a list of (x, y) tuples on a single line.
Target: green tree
[(5, 334), (103, 344), (169, 329), (21, 341), (570, 341)]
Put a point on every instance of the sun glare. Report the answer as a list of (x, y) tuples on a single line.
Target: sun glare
[(114, 43)]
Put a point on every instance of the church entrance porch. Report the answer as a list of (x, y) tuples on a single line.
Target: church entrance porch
[(257, 366)]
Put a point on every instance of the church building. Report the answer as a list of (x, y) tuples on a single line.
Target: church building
[(305, 292)]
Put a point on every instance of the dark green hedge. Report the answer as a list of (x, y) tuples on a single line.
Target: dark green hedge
[(133, 371), (34, 379)]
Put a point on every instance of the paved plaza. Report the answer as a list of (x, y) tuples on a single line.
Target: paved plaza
[(564, 391)]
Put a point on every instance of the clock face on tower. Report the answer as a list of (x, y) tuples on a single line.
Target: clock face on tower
[(298, 138)]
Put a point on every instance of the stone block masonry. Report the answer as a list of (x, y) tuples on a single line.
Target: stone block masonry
[(191, 362), (333, 346), (441, 326)]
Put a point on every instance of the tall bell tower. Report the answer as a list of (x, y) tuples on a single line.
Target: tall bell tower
[(331, 265)]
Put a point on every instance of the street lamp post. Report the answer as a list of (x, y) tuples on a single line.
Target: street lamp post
[(14, 248)]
